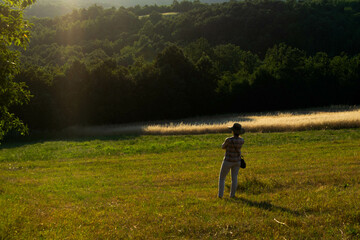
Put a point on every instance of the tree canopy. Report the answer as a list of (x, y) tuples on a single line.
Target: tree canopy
[(13, 33), (114, 65)]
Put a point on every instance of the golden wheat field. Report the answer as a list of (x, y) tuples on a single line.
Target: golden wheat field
[(334, 117)]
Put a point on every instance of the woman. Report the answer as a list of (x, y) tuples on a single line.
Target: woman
[(231, 160)]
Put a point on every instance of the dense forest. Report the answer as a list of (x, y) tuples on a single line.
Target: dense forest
[(114, 65), (53, 8)]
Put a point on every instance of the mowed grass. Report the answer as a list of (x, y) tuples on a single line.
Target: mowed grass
[(301, 185)]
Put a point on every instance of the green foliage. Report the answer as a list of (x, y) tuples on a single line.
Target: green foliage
[(255, 26), (189, 59), (54, 8), (13, 31), (174, 85)]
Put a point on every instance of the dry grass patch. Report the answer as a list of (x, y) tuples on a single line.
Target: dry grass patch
[(164, 14), (336, 117), (332, 118)]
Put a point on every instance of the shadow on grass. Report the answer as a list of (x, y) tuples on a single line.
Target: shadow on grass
[(265, 205), (256, 186), (17, 141), (211, 120), (309, 111)]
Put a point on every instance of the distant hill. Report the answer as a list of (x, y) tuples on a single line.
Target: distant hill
[(53, 8), (106, 66)]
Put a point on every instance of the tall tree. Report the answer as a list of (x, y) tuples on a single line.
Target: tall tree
[(14, 33)]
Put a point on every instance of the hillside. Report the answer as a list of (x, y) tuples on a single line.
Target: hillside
[(53, 8), (101, 66)]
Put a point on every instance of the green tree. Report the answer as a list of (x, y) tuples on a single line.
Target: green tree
[(13, 32), (280, 80), (175, 84)]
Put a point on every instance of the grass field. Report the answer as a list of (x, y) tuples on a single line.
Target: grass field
[(300, 185)]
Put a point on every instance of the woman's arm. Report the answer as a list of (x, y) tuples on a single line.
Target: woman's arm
[(225, 144)]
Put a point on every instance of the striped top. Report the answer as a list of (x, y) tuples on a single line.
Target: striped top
[(233, 148)]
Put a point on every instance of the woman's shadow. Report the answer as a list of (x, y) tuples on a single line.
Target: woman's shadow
[(266, 205)]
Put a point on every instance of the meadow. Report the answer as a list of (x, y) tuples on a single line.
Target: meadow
[(297, 185)]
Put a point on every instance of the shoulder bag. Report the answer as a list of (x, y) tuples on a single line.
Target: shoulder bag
[(242, 160)]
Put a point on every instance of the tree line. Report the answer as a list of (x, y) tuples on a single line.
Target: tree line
[(116, 65), (177, 85), (313, 26), (51, 8)]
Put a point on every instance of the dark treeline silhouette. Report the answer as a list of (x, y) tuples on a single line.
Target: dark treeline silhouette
[(107, 66)]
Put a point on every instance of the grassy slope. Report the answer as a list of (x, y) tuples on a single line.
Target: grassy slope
[(165, 187)]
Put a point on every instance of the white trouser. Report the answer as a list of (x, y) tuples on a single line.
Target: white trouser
[(225, 168)]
